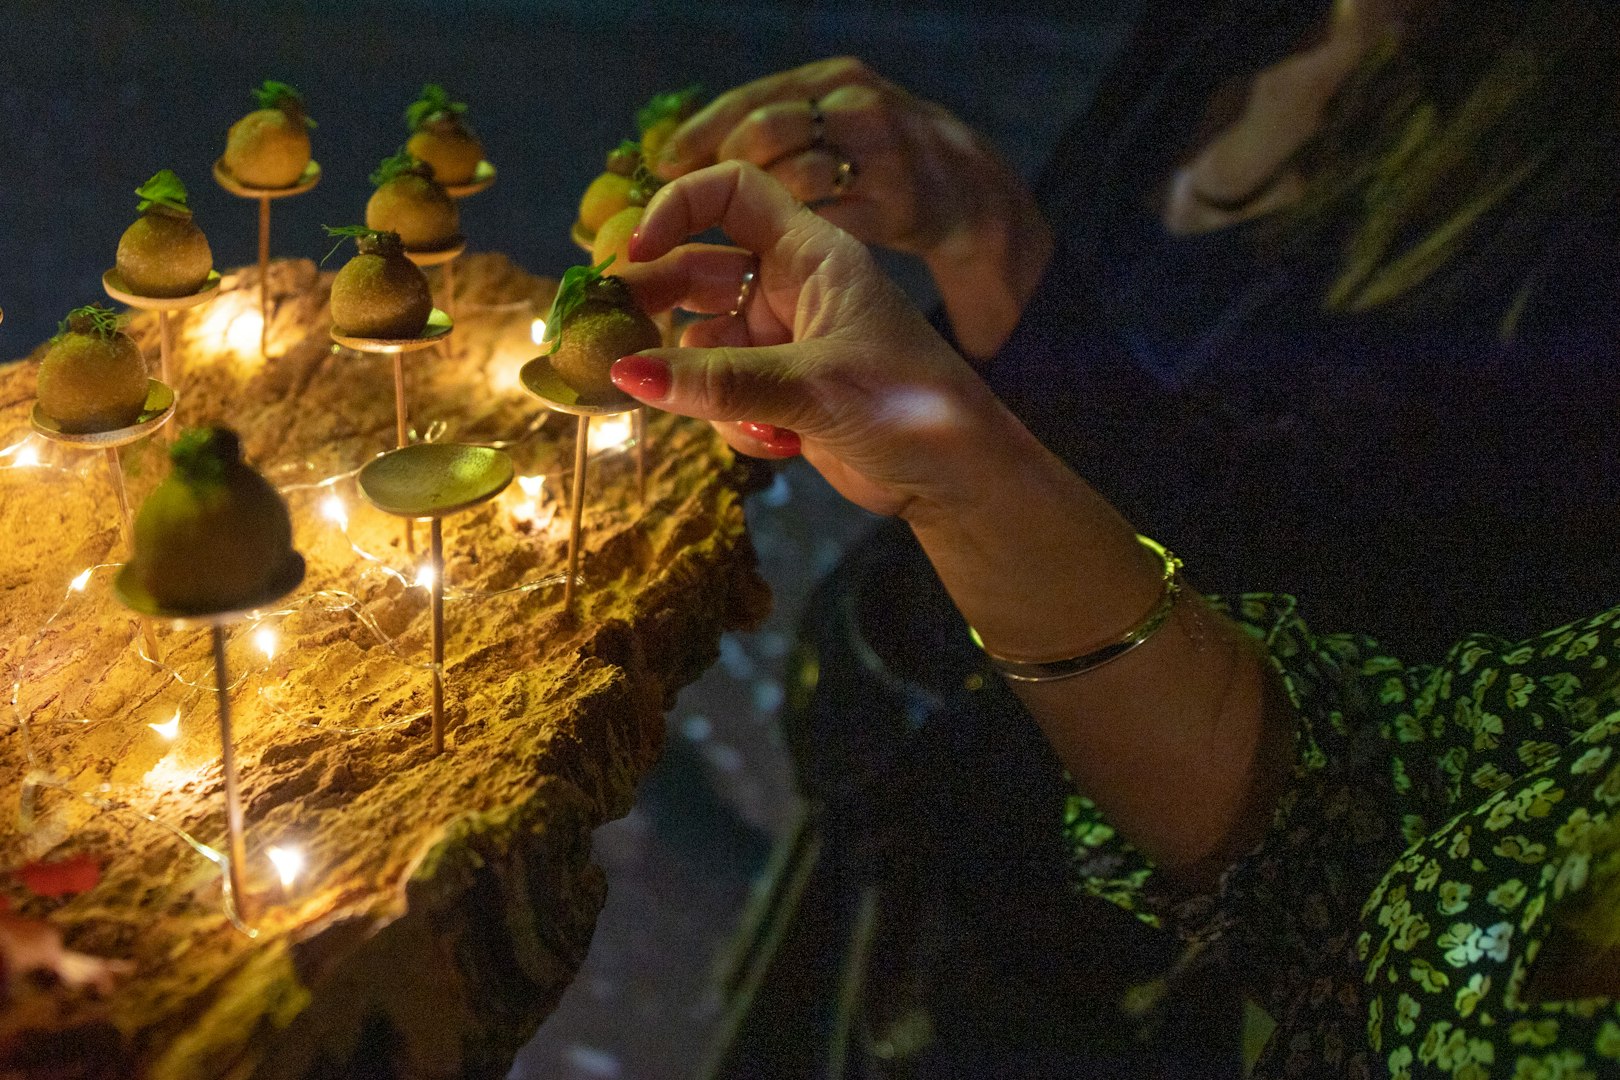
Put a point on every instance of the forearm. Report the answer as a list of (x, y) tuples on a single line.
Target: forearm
[(1165, 739)]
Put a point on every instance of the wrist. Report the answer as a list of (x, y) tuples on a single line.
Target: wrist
[(987, 269), (1034, 558), (984, 455), (1068, 664)]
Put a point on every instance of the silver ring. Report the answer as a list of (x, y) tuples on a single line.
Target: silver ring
[(818, 124), (743, 293)]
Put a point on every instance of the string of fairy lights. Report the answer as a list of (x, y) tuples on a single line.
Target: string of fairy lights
[(529, 506)]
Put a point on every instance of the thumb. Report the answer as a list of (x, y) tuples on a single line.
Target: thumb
[(763, 384)]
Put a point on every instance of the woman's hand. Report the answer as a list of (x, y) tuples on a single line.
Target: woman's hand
[(824, 350), (920, 174), (823, 345), (892, 170)]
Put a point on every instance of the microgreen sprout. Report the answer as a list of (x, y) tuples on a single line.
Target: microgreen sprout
[(358, 233), (283, 96), (572, 291), (164, 191), (672, 103), (433, 104), (202, 455), (90, 319), (394, 166)]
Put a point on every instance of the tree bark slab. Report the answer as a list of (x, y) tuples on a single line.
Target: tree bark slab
[(447, 901)]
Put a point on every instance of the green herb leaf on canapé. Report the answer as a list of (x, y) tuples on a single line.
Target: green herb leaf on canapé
[(90, 319), (349, 232), (434, 103), (166, 190), (571, 293), (395, 165), (645, 183), (677, 103), (283, 96), (623, 159), (204, 455)]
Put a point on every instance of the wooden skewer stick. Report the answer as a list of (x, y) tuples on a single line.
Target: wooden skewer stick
[(126, 524), (639, 430), (236, 842), (450, 347), (436, 533), (264, 276), (402, 424), (402, 433), (582, 440), (165, 350), (163, 347), (431, 480)]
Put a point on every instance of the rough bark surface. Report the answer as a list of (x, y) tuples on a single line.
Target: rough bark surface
[(447, 900)]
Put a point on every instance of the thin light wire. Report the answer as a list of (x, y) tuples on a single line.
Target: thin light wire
[(325, 600)]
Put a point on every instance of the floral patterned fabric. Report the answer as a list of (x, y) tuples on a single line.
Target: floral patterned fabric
[(1445, 822)]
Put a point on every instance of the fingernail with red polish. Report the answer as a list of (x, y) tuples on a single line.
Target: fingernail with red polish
[(779, 439), (645, 377), (633, 247)]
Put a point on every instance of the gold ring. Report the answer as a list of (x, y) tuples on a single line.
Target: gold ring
[(844, 174), (743, 293)]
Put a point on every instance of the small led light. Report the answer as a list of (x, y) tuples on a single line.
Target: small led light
[(169, 729), (266, 638), (169, 774), (242, 334), (27, 455), (610, 432), (424, 576), (289, 863), (527, 509), (537, 331), (81, 580), (333, 510)]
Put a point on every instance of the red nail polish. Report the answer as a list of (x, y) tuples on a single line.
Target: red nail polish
[(632, 248), (644, 377), (781, 440)]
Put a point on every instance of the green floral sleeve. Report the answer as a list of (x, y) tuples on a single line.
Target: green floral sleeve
[(1443, 821), (1326, 680), (1411, 744)]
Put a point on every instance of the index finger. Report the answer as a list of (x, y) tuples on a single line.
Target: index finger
[(754, 211), (696, 143), (701, 278)]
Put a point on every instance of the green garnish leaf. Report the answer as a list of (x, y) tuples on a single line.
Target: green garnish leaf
[(283, 96), (396, 165), (165, 189), (205, 455), (648, 181), (672, 103), (571, 293), (624, 158), (349, 232), (433, 104), (101, 320)]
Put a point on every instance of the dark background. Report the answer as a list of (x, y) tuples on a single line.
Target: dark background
[(95, 97)]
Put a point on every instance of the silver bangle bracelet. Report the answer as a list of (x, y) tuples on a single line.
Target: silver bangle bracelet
[(1070, 666)]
